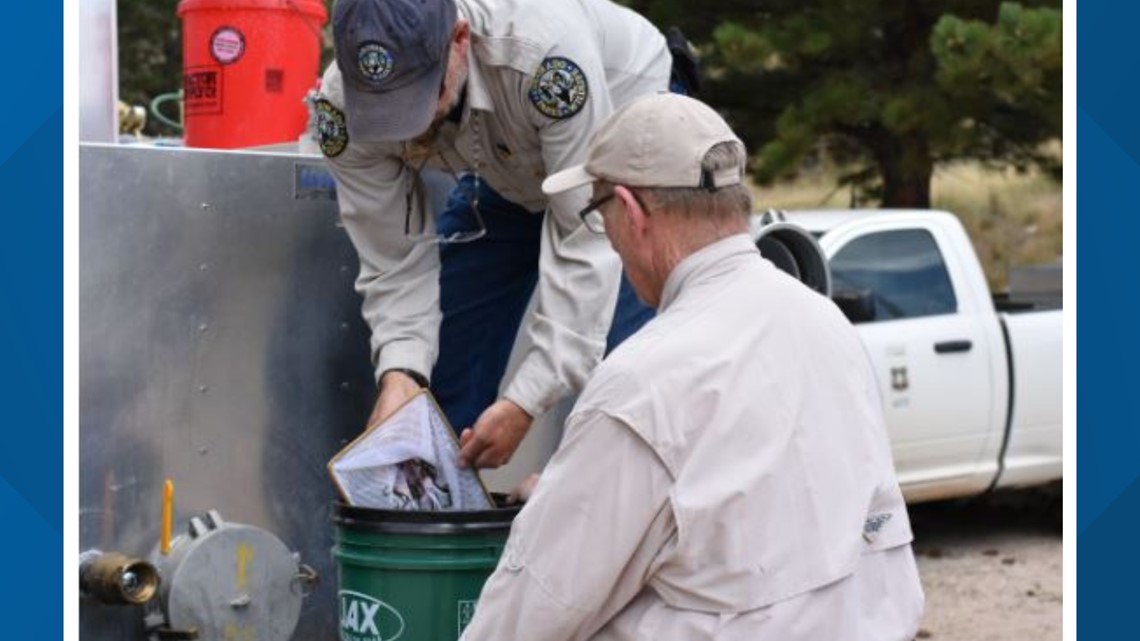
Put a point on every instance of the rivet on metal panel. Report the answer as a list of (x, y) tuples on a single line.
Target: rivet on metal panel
[(203, 388), (203, 450), (205, 205), (344, 386), (203, 327), (203, 267)]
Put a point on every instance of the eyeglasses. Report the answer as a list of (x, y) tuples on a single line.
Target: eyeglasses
[(591, 214), (415, 186)]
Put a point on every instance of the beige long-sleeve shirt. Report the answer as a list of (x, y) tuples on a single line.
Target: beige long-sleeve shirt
[(725, 475), (512, 139)]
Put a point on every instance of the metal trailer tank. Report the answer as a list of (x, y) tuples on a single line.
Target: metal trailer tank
[(221, 346)]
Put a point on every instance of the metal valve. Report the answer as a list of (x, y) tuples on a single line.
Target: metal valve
[(116, 579), (225, 580)]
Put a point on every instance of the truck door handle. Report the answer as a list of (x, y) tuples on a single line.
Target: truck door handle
[(949, 347)]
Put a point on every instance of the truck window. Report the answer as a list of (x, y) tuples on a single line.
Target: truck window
[(903, 271)]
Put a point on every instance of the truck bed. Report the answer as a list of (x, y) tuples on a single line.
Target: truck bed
[(1007, 303)]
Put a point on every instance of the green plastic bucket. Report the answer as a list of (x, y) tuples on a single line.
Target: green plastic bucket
[(413, 576)]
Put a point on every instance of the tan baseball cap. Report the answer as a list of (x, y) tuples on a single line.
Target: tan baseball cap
[(654, 141)]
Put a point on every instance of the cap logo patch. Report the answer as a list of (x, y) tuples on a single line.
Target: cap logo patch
[(332, 132), (559, 89), (374, 61)]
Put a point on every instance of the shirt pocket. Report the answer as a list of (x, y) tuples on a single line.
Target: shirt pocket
[(521, 164)]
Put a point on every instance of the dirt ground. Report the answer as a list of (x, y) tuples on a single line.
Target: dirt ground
[(991, 568)]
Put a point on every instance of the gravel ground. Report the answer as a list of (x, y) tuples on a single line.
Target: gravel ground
[(991, 568)]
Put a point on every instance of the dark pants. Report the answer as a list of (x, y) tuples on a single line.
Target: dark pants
[(485, 286)]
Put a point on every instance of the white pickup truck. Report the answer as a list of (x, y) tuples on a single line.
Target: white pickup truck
[(971, 383)]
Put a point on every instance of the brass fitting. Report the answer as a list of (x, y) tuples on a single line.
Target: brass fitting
[(117, 579)]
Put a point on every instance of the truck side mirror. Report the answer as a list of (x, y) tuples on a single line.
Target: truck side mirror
[(793, 250), (857, 305)]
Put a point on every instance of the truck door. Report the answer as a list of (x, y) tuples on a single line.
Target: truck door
[(930, 350)]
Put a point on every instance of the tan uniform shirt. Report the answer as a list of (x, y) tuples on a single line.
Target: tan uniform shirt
[(724, 475), (512, 140)]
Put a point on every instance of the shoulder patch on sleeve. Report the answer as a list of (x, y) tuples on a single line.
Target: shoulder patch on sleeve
[(559, 88), (332, 130)]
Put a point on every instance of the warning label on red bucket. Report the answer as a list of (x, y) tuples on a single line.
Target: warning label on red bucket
[(202, 90), (227, 45)]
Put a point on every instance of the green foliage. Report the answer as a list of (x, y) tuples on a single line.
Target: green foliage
[(893, 85), (150, 53), (1008, 76)]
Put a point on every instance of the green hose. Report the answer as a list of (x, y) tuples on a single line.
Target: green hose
[(156, 104)]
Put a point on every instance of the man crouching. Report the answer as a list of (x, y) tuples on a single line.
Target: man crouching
[(726, 472)]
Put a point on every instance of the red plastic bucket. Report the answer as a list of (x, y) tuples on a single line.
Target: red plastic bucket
[(247, 65)]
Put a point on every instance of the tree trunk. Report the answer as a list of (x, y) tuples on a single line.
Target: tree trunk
[(906, 168)]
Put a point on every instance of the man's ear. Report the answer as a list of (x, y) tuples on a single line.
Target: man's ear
[(636, 217)]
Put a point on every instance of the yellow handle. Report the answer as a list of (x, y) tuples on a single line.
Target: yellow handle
[(167, 515)]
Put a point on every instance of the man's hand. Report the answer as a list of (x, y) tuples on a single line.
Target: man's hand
[(395, 390), (525, 489), (495, 436)]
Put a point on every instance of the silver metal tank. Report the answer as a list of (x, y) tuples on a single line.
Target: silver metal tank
[(221, 345)]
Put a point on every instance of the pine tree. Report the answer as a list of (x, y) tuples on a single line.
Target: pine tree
[(897, 85)]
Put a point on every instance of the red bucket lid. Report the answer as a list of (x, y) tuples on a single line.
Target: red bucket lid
[(315, 8)]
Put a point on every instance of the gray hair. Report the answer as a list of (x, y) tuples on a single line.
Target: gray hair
[(723, 203)]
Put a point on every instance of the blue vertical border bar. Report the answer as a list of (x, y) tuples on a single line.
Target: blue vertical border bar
[(31, 319), (1108, 328)]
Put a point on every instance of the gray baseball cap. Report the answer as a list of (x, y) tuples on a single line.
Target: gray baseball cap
[(392, 55), (654, 141)]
